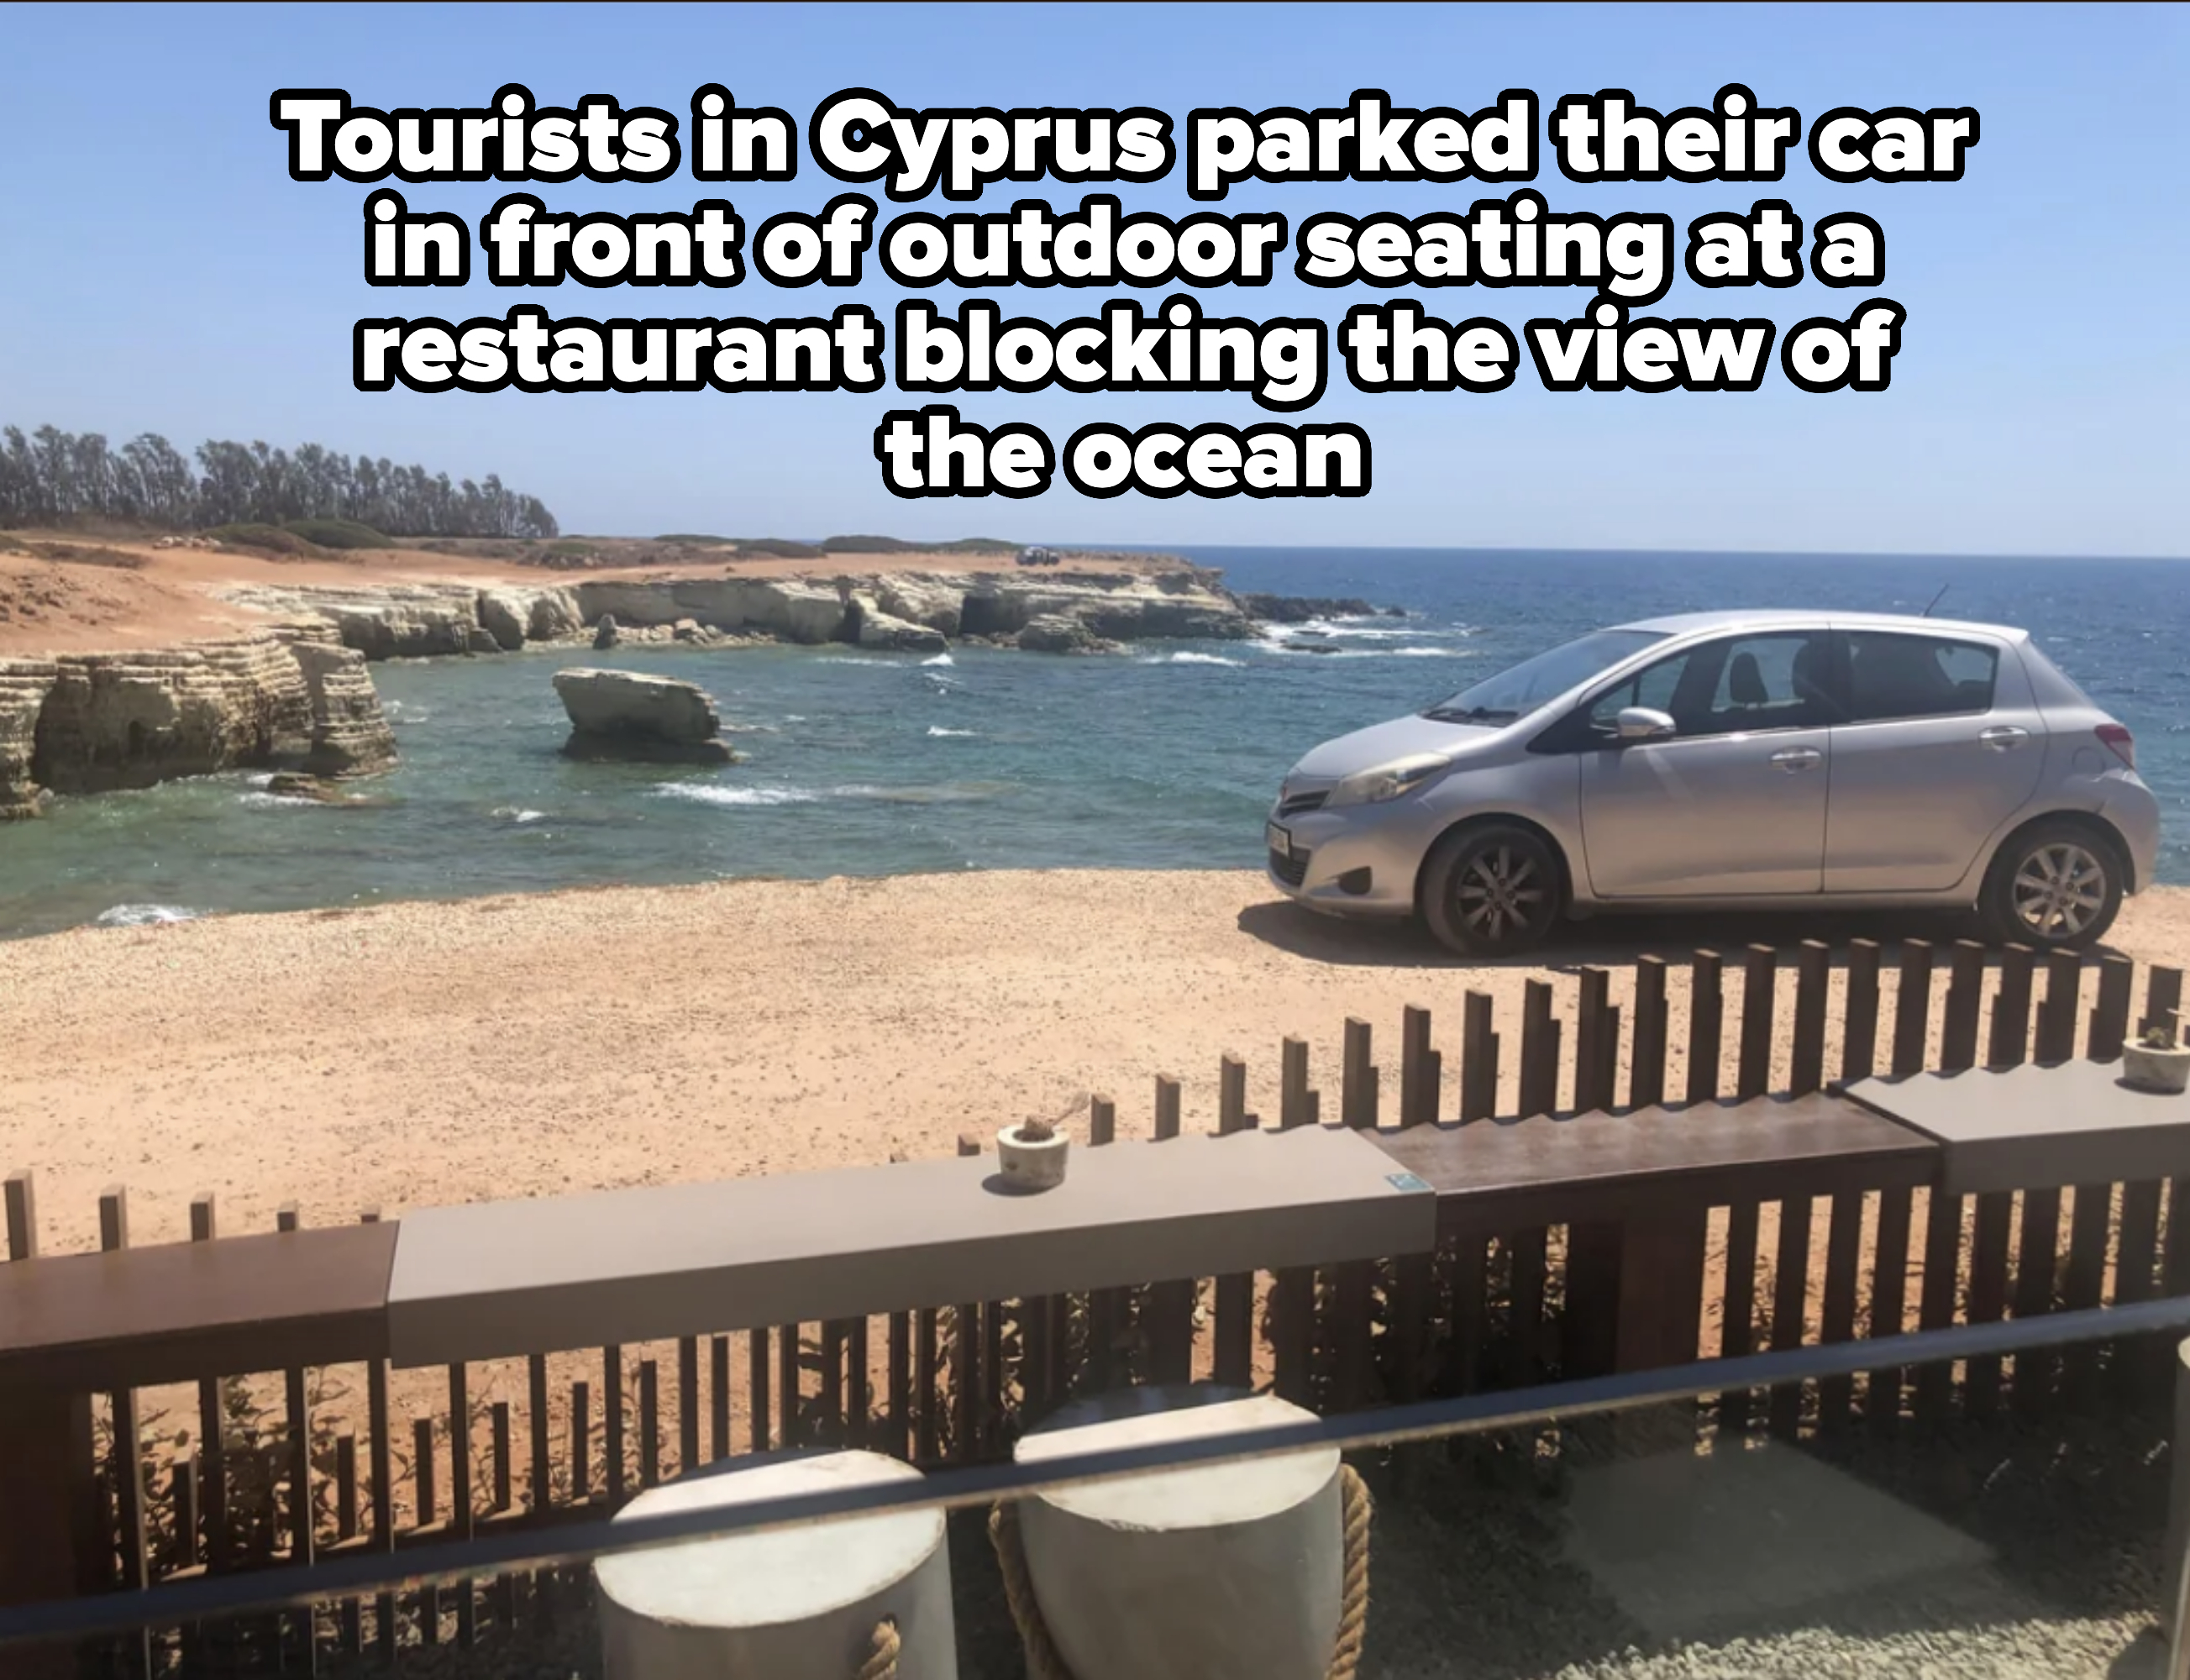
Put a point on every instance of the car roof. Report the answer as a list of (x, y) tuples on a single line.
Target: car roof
[(1761, 618)]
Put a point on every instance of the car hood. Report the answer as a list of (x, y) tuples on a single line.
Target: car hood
[(1382, 743)]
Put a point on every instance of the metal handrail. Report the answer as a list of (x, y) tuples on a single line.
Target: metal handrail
[(363, 1574)]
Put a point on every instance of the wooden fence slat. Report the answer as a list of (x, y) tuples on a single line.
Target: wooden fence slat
[(990, 1425), (582, 1443), (1646, 1072), (1293, 1334), (1957, 1033), (1912, 1008), (1231, 1095), (540, 1490), (1813, 980), (1706, 1017), (2142, 1366), (927, 1445), (1889, 1298), (1539, 1063), (1989, 1287), (380, 1443), (1358, 1097), (1170, 1319), (351, 1614), (718, 1399), (1102, 1119), (1463, 1372), (1859, 1011), (965, 1374), (899, 1401), (1168, 1105), (1837, 1308), (1760, 972), (859, 1384), (2109, 1017), (791, 1421), (1591, 1340), (1233, 1361), (1292, 1083), (425, 1489), (1935, 1305), (1347, 1333), (1592, 1000), (832, 1382), (1414, 1066), (1738, 1317), (498, 1438), (212, 1459), (2163, 995), (650, 1425), (1478, 1056), (1790, 1295), (688, 1404), (127, 1462), (758, 1369), (2009, 1042), (2057, 1015)]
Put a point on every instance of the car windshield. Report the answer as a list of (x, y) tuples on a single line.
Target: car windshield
[(1520, 689)]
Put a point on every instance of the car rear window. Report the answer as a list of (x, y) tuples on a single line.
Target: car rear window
[(1896, 675)]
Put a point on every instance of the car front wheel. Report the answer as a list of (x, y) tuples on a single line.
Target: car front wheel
[(1493, 891), (2056, 886)]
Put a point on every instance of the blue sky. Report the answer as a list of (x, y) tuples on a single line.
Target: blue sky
[(164, 273)]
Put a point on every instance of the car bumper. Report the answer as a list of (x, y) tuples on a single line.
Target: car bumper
[(1357, 861)]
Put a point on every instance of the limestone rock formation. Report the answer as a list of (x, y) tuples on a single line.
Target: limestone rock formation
[(504, 618), (1061, 632), (24, 685), (624, 714), (350, 734), (871, 626), (607, 633)]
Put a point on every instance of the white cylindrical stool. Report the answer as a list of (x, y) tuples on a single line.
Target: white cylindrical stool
[(1225, 1572), (797, 1603)]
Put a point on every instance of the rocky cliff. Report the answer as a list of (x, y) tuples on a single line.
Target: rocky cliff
[(909, 611), (89, 722)]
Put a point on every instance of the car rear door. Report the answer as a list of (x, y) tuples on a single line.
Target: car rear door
[(1943, 742), (1733, 803)]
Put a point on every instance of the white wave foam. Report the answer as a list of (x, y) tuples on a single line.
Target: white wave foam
[(940, 733), (144, 916), (1187, 659), (269, 799), (707, 793), (514, 814), (939, 659)]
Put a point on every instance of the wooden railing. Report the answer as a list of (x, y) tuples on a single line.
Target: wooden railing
[(248, 1467)]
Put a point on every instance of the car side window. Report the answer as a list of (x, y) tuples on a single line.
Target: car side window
[(1896, 675), (1654, 686), (1770, 680)]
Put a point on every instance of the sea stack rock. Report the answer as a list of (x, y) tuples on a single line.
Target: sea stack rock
[(621, 714)]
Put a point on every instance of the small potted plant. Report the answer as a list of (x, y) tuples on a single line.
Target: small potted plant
[(1033, 1154), (2158, 1060)]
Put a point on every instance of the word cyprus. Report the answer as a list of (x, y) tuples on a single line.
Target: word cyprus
[(1162, 329)]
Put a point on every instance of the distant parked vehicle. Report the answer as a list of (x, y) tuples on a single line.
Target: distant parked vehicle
[(1037, 557), (1715, 761)]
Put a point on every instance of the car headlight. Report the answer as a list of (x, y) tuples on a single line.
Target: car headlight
[(1387, 782)]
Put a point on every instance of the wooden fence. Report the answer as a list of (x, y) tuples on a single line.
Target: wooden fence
[(266, 1470)]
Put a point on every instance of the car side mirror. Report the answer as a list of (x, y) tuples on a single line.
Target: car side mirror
[(1643, 722)]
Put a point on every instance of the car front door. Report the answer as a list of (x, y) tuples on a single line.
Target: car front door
[(1732, 803), (1943, 742)]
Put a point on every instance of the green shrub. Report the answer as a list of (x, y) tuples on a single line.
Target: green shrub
[(776, 547), (338, 534), (865, 545), (272, 539), (695, 540)]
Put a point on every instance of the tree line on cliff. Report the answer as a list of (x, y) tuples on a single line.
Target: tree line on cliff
[(52, 477)]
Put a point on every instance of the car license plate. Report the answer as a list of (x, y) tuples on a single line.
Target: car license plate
[(1281, 841)]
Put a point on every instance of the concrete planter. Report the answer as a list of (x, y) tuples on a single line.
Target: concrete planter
[(2161, 1071), (1031, 1164)]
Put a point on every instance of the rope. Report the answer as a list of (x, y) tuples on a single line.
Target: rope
[(882, 1661), (1043, 1661)]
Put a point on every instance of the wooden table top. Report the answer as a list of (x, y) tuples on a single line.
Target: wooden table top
[(177, 1312), (2010, 1128), (1493, 1175)]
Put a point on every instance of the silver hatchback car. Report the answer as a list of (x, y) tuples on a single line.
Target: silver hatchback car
[(1752, 760)]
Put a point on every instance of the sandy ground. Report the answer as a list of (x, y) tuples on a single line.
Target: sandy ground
[(416, 1054), (91, 598)]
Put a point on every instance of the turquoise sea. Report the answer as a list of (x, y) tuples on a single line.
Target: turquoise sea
[(879, 764)]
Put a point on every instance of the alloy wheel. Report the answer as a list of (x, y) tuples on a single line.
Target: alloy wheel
[(2059, 890), (1499, 893)]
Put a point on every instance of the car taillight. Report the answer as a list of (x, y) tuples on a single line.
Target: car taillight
[(2116, 739)]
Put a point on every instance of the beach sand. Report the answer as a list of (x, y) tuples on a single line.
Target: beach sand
[(415, 1055)]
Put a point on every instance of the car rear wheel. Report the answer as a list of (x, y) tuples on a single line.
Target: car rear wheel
[(2056, 885), (1493, 891)]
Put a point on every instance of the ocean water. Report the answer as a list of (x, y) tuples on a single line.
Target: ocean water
[(881, 764)]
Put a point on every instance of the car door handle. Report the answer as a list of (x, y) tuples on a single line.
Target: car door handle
[(1793, 758), (2002, 737)]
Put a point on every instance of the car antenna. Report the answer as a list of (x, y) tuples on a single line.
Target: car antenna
[(1937, 598)]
